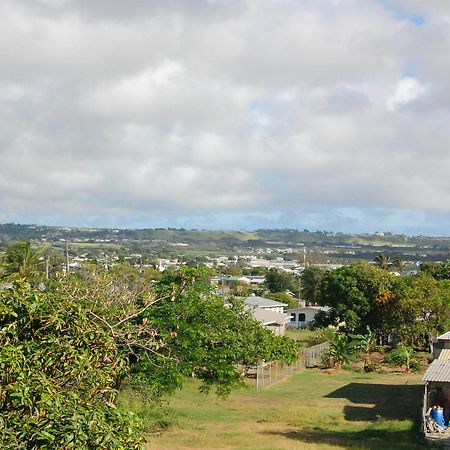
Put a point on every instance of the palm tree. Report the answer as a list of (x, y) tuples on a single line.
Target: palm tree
[(382, 261), (21, 259), (399, 264)]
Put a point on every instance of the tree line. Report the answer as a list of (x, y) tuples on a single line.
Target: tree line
[(410, 309)]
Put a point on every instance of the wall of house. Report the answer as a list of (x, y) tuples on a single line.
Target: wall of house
[(301, 317)]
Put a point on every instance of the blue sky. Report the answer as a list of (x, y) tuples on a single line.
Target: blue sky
[(226, 114)]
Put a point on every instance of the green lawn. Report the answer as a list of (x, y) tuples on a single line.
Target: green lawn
[(311, 410)]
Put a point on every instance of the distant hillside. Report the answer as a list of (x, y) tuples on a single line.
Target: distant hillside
[(175, 241)]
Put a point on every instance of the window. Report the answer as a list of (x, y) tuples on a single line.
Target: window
[(293, 317), (301, 317)]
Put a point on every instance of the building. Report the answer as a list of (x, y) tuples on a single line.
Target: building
[(269, 313), (437, 391), (302, 317)]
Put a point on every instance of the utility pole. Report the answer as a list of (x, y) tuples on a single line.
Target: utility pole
[(299, 289), (46, 268), (67, 258)]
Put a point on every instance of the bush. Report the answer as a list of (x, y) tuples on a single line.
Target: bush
[(403, 356), (58, 373)]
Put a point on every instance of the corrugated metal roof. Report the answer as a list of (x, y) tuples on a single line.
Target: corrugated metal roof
[(444, 354), (262, 302), (444, 337), (268, 317), (439, 370)]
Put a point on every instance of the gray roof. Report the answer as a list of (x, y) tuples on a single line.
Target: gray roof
[(262, 302), (439, 370), (267, 317), (444, 337), (312, 308)]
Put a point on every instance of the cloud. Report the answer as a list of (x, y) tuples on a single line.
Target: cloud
[(238, 113), (407, 91)]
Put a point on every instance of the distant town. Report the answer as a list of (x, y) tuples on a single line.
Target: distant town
[(286, 249)]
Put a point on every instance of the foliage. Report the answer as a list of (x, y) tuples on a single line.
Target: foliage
[(402, 356), (367, 343), (283, 297), (341, 349), (22, 260), (382, 260), (58, 374), (359, 295), (280, 281), (203, 338), (311, 279), (421, 309), (439, 271)]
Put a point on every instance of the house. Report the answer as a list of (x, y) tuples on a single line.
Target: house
[(437, 392), (265, 303), (302, 317), (269, 313), (273, 321)]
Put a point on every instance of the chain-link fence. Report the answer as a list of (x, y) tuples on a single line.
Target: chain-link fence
[(266, 374)]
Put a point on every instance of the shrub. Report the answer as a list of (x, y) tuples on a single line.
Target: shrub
[(58, 373), (403, 356)]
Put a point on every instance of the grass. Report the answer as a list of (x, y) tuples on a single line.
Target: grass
[(304, 337), (311, 410)]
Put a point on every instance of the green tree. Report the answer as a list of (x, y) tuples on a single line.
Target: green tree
[(280, 281), (203, 338), (422, 309), (311, 279), (382, 261), (23, 260), (399, 264), (58, 374), (439, 271), (360, 295)]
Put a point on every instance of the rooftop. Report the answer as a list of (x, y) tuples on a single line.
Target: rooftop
[(438, 371), (262, 302), (444, 337)]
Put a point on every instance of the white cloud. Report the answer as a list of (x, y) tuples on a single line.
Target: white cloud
[(407, 91), (152, 111)]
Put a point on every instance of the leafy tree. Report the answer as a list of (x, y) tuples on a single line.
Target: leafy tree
[(311, 279), (58, 375), (439, 271), (283, 297), (359, 295), (399, 264), (280, 281), (422, 309), (203, 338), (402, 356), (65, 350)]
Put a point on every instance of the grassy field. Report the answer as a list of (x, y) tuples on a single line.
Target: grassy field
[(311, 410)]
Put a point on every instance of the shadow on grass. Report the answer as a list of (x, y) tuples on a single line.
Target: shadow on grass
[(363, 440), (392, 402), (379, 403)]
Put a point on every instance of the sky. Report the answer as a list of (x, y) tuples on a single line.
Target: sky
[(226, 114)]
